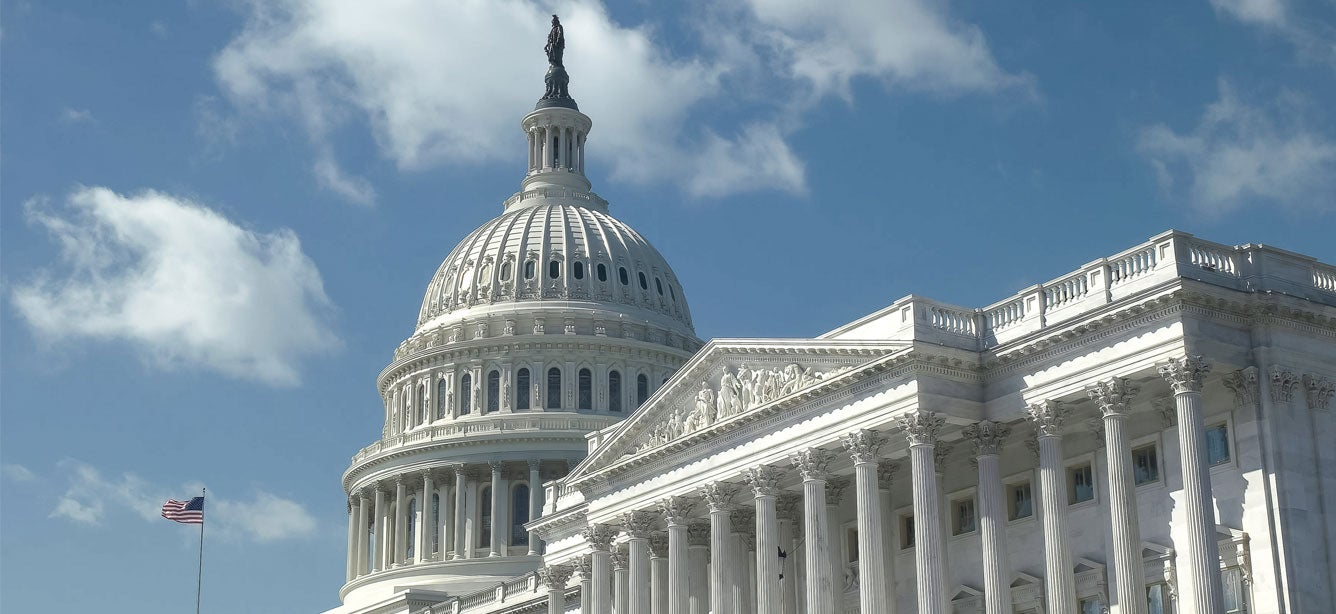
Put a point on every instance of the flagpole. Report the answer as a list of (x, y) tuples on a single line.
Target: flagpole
[(199, 577)]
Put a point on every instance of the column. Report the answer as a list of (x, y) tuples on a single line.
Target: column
[(658, 575), (424, 526), (363, 562), (379, 531), (639, 526), (547, 146), (461, 487), (445, 520), (741, 522), (835, 487), (555, 578), (1201, 575), (1059, 581), (535, 495), (922, 429), (1114, 397), (498, 516), (886, 472), (987, 438), (621, 598), (676, 511), (863, 447), (352, 541), (600, 589), (786, 511), (764, 481), (585, 567), (813, 464), (698, 548), (401, 521), (718, 496)]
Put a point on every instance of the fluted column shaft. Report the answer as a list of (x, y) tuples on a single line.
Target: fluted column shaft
[(764, 481), (600, 589), (658, 580), (620, 587), (885, 477), (721, 598), (788, 591), (498, 536), (993, 534), (1201, 575), (1113, 397), (679, 571), (363, 565), (352, 542), (555, 577), (834, 494), (872, 597), (921, 429), (639, 574), (535, 495), (422, 549), (461, 487), (378, 532), (699, 559), (401, 521), (820, 590), (1059, 581)]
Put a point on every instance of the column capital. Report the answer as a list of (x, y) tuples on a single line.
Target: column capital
[(599, 536), (939, 454), (584, 566), (813, 463), (1047, 417), (863, 445), (638, 524), (835, 487), (743, 521), (718, 495), (1243, 383), (658, 546), (1185, 374), (987, 437), (1283, 383), (496, 465), (1113, 396), (620, 559), (555, 576), (764, 480), (922, 427), (535, 464), (677, 510), (698, 533), (886, 471), (1319, 391)]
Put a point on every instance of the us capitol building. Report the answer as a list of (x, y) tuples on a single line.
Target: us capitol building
[(1151, 433)]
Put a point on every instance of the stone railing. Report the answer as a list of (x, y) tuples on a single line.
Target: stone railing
[(495, 424), (1170, 255), (589, 199), (515, 590)]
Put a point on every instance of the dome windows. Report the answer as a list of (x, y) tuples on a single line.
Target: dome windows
[(658, 285), (465, 393), (644, 285), (554, 269), (522, 389), (578, 269), (621, 274), (442, 394), (506, 270), (614, 391), (586, 385), (602, 272), (528, 269), (553, 388), (493, 391), (642, 389)]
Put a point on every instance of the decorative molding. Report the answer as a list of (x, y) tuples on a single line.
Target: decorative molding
[(886, 471), (764, 480), (1243, 383), (599, 536), (677, 510), (638, 524), (1319, 390), (1185, 374), (718, 495), (922, 428), (1113, 396), (812, 463), (987, 437), (863, 446), (1047, 417), (1283, 383)]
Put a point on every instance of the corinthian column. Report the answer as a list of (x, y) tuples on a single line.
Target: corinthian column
[(987, 438), (379, 531), (921, 429), (400, 526), (863, 446), (787, 511), (1114, 398), (363, 561), (764, 481), (1203, 552), (1058, 578), (499, 531), (585, 567), (535, 495), (886, 471), (461, 487), (814, 463), (555, 578), (658, 574), (639, 527), (621, 596), (718, 496), (422, 547), (600, 540), (352, 541), (698, 545), (677, 511)]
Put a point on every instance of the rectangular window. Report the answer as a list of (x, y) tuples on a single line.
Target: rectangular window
[(1158, 600), (1091, 605), (1217, 444), (1145, 464), (962, 517), (851, 545), (1020, 501), (907, 531), (1080, 484), (1236, 592)]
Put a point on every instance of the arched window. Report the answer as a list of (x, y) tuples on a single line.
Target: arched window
[(519, 515), (442, 390), (423, 404), (642, 389), (586, 381), (602, 272), (621, 275), (506, 270), (435, 522), (493, 391), (554, 269), (522, 389), (485, 517), (579, 269), (465, 394), (412, 525), (553, 388), (528, 269), (614, 391), (658, 285), (643, 284)]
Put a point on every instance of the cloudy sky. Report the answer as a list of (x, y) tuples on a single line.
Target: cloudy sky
[(219, 216)]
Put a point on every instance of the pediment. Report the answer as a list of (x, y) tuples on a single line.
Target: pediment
[(729, 380)]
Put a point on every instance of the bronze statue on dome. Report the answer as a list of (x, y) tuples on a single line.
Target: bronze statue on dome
[(556, 43), (556, 80)]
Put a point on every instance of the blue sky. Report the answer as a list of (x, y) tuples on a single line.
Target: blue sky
[(219, 217)]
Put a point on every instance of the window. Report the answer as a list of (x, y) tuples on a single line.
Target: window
[(1145, 465), (578, 269), (1080, 483), (658, 285), (614, 391), (1158, 600), (1236, 591), (851, 545), (554, 269), (643, 284), (585, 379), (485, 535), (423, 407), (493, 391), (465, 394), (522, 389), (1020, 500), (1217, 444), (963, 519), (412, 526), (506, 270), (906, 531), (602, 272), (520, 513), (442, 391), (528, 269), (1091, 605), (554, 388), (556, 152), (621, 275), (671, 293), (642, 389), (435, 522)]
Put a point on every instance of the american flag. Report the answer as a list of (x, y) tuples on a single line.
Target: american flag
[(188, 512)]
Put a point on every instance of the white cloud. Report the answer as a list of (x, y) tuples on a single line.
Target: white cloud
[(1260, 12), (179, 282), (1308, 31), (1240, 154), (17, 472), (92, 497), (445, 83), (76, 116)]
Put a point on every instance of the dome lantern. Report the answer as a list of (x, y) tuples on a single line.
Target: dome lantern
[(556, 129)]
